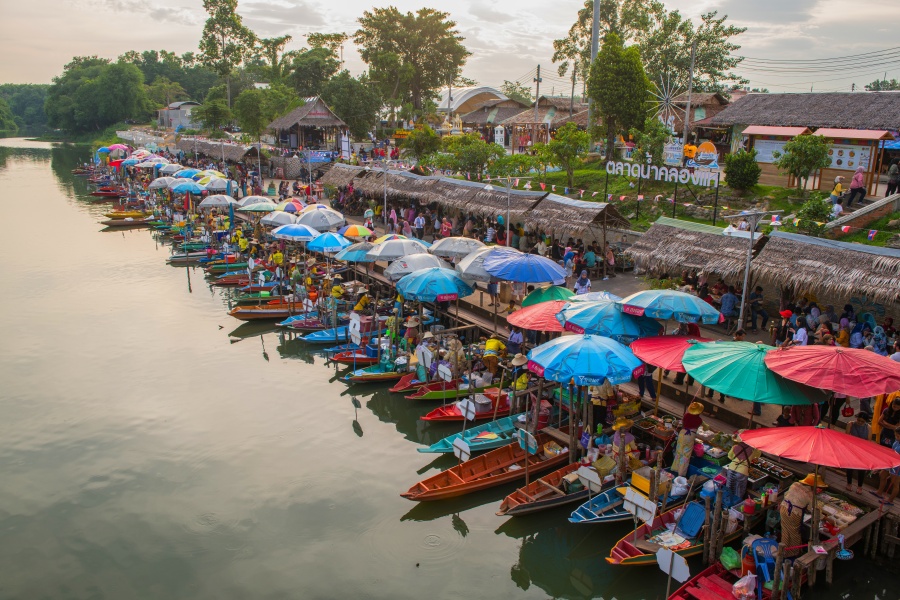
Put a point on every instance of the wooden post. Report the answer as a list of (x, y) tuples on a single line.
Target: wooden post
[(829, 566), (707, 528), (776, 581), (867, 541), (537, 405), (654, 485), (573, 423), (620, 471), (796, 579), (717, 527), (788, 582)]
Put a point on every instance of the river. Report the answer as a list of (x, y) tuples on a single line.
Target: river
[(152, 448)]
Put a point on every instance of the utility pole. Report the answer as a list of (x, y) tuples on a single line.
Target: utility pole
[(687, 109), (537, 98), (572, 98), (449, 100), (595, 46)]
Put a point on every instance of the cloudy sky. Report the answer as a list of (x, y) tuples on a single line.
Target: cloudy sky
[(508, 38)]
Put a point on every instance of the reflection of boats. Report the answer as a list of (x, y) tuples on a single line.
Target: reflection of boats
[(503, 465), (499, 406), (483, 437), (251, 329), (543, 493)]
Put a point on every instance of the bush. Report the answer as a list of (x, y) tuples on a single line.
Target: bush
[(741, 170)]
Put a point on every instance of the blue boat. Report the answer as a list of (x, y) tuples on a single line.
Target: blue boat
[(608, 506), (334, 335), (502, 428), (300, 317)]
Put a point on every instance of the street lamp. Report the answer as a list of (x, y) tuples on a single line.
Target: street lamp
[(509, 182), (384, 168)]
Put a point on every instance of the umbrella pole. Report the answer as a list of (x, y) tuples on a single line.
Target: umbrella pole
[(658, 390)]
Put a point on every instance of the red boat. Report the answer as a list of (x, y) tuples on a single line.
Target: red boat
[(451, 411), (354, 357), (110, 193), (407, 383), (232, 280), (713, 583), (439, 390)]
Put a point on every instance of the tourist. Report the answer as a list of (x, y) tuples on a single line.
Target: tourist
[(837, 209), (406, 229), (889, 479), (541, 246), (446, 228), (784, 419), (756, 309), (684, 449), (519, 289), (582, 284), (896, 355), (623, 439), (490, 234), (857, 186), (805, 415), (859, 427), (843, 334), (893, 177), (837, 190), (493, 293), (729, 303), (420, 226), (889, 422), (610, 262), (645, 382), (515, 340), (797, 501)]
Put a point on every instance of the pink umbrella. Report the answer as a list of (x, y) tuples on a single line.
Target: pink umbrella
[(850, 371)]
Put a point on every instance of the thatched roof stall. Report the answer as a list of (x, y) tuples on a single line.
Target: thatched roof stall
[(563, 215), (671, 245), (216, 149), (311, 124), (400, 184), (856, 110), (471, 197), (827, 266), (493, 112), (341, 175)]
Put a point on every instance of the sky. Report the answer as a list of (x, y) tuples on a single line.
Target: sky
[(507, 38)]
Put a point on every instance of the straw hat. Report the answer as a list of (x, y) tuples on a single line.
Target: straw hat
[(428, 335), (622, 423), (413, 322), (310, 262), (494, 336), (336, 277), (519, 360), (814, 479), (695, 408), (395, 310)]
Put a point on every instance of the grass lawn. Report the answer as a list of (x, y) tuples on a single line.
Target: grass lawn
[(881, 238)]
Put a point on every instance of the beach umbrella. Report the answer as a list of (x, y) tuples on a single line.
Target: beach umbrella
[(278, 218), (388, 237), (394, 249), (852, 371), (328, 243), (504, 263), (160, 182), (323, 220), (595, 297), (433, 285), (456, 247), (604, 318), (738, 369), (665, 351), (186, 173), (670, 304), (548, 293), (258, 207), (147, 164), (171, 169), (289, 206), (586, 359), (355, 231), (539, 317), (103, 150), (471, 268), (188, 188), (821, 446), (248, 200), (406, 265), (214, 173), (356, 253), (217, 201), (178, 181), (295, 232), (119, 147), (128, 162), (218, 184), (315, 206)]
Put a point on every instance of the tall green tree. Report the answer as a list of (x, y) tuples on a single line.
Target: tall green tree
[(517, 91), (420, 143), (803, 156), (650, 141), (276, 60), (225, 42), (7, 120), (355, 100), (565, 150), (213, 115), (60, 105), (468, 154), (410, 55), (883, 85), (330, 41), (311, 69), (26, 101), (619, 86), (163, 91), (185, 70)]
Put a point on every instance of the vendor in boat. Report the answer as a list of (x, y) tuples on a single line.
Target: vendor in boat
[(690, 422), (362, 303), (440, 362), (622, 428), (411, 335), (494, 349), (522, 376), (392, 323), (798, 499), (337, 290), (738, 469), (603, 397)]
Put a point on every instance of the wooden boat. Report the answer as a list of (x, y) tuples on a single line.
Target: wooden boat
[(503, 465), (265, 311), (607, 506), (126, 223), (311, 324), (354, 357), (326, 336), (639, 548), (219, 268), (266, 287), (713, 583), (255, 298), (543, 493), (444, 390), (373, 374), (185, 257), (451, 412), (231, 280), (481, 437), (408, 383), (127, 214), (110, 193)]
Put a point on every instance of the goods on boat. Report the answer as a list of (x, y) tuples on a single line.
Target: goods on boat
[(548, 491), (375, 374), (487, 404), (713, 583), (482, 437)]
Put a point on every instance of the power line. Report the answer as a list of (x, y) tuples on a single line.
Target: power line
[(817, 60)]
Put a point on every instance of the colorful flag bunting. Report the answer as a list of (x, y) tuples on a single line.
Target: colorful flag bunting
[(581, 193), (640, 197), (845, 229), (543, 186), (609, 197), (872, 233), (553, 188), (594, 194), (516, 184), (796, 222)]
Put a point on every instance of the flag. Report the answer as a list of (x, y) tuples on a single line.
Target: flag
[(528, 186), (776, 218), (872, 233), (640, 197), (622, 198), (543, 186), (516, 184), (609, 197), (581, 193), (594, 194), (566, 192), (796, 222), (845, 229), (819, 223), (553, 188)]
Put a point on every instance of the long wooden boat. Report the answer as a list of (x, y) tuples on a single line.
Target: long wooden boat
[(712, 583), (354, 357), (126, 223), (479, 438), (451, 412), (231, 281), (128, 214), (106, 193), (544, 493), (185, 257), (218, 268), (608, 506), (444, 390), (408, 383), (254, 298), (326, 336), (373, 374), (503, 465), (265, 311)]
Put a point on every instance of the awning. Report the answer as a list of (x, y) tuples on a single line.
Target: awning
[(854, 134), (769, 130)]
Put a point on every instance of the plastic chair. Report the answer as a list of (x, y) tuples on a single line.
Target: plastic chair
[(763, 551)]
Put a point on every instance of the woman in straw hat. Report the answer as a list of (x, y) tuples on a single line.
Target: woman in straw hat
[(798, 499), (522, 376), (622, 427), (690, 422)]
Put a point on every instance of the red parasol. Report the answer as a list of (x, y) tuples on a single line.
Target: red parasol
[(539, 317), (821, 446), (851, 371), (665, 351)]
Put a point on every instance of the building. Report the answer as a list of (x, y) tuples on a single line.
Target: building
[(536, 125), (177, 116), (313, 125), (459, 101), (486, 117)]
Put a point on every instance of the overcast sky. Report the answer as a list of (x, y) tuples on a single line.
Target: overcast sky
[(507, 38)]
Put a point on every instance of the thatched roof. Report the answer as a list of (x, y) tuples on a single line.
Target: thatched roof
[(563, 215), (838, 268), (492, 115), (340, 175), (215, 149), (556, 116), (314, 113), (856, 110), (702, 98), (472, 198), (671, 245)]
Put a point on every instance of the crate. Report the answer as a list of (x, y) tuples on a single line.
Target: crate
[(640, 480), (552, 450), (604, 465), (483, 404)]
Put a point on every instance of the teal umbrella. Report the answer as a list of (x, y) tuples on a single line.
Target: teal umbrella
[(546, 294), (738, 369)]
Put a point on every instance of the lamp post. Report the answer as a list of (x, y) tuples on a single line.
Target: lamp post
[(384, 169), (753, 218), (508, 181)]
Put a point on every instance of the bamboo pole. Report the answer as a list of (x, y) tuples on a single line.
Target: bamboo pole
[(777, 576), (707, 530)]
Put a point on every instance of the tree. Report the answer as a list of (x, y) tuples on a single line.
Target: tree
[(213, 115), (277, 61), (883, 85), (60, 104), (26, 101), (813, 215), (565, 149), (619, 87), (410, 55), (741, 170), (420, 143), (466, 153), (802, 157), (7, 120), (355, 100), (311, 69), (184, 70), (513, 165), (650, 142), (517, 91), (330, 41), (163, 92), (225, 42)]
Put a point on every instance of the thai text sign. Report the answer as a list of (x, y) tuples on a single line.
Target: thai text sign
[(671, 174)]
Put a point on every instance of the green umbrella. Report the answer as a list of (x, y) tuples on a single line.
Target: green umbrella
[(261, 207), (546, 294), (737, 369)]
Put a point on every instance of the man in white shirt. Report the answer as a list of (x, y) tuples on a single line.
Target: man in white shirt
[(420, 226), (837, 209), (489, 236)]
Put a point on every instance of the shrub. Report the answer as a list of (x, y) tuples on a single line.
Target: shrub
[(741, 170)]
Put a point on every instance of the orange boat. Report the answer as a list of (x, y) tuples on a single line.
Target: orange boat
[(503, 465)]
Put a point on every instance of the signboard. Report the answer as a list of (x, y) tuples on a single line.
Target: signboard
[(353, 329), (766, 148), (345, 146), (848, 158), (446, 297), (672, 564), (527, 442), (466, 409), (590, 479), (462, 452), (699, 177), (639, 505), (672, 154), (707, 157), (445, 372)]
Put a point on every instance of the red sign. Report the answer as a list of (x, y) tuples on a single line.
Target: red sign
[(573, 328), (633, 310), (446, 297), (535, 368), (637, 372)]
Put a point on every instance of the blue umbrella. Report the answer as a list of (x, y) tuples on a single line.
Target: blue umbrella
[(586, 359), (103, 150), (129, 162), (186, 172), (295, 232), (504, 263), (328, 242), (433, 284), (356, 253), (670, 304), (185, 188), (605, 318)]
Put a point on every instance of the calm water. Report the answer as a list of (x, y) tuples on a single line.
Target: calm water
[(151, 448)]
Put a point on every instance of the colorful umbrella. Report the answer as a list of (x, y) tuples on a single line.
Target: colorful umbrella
[(433, 285), (188, 188), (665, 351), (670, 304), (323, 219), (356, 253), (852, 371), (406, 265), (394, 249), (328, 242), (390, 236), (220, 185), (315, 206), (586, 359), (186, 173), (471, 268), (119, 147), (248, 200), (605, 318), (595, 297), (259, 207), (217, 201), (355, 231), (176, 181), (169, 169), (295, 232), (160, 182), (821, 446), (547, 294), (738, 369), (504, 263), (539, 317), (278, 218), (103, 150), (456, 247)]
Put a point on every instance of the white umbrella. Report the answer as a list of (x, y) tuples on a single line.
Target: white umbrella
[(148, 164), (471, 268), (408, 264), (217, 201), (248, 200), (160, 182), (171, 169), (456, 247), (221, 185), (394, 249), (176, 181), (278, 218), (322, 220)]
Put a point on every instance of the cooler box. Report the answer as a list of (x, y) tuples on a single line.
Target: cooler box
[(640, 479), (483, 404), (604, 465), (371, 351), (366, 323)]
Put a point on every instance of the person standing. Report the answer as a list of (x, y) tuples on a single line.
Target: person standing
[(857, 186), (893, 177), (756, 309), (859, 427), (837, 190), (690, 422), (797, 501), (446, 228), (889, 479), (420, 226)]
